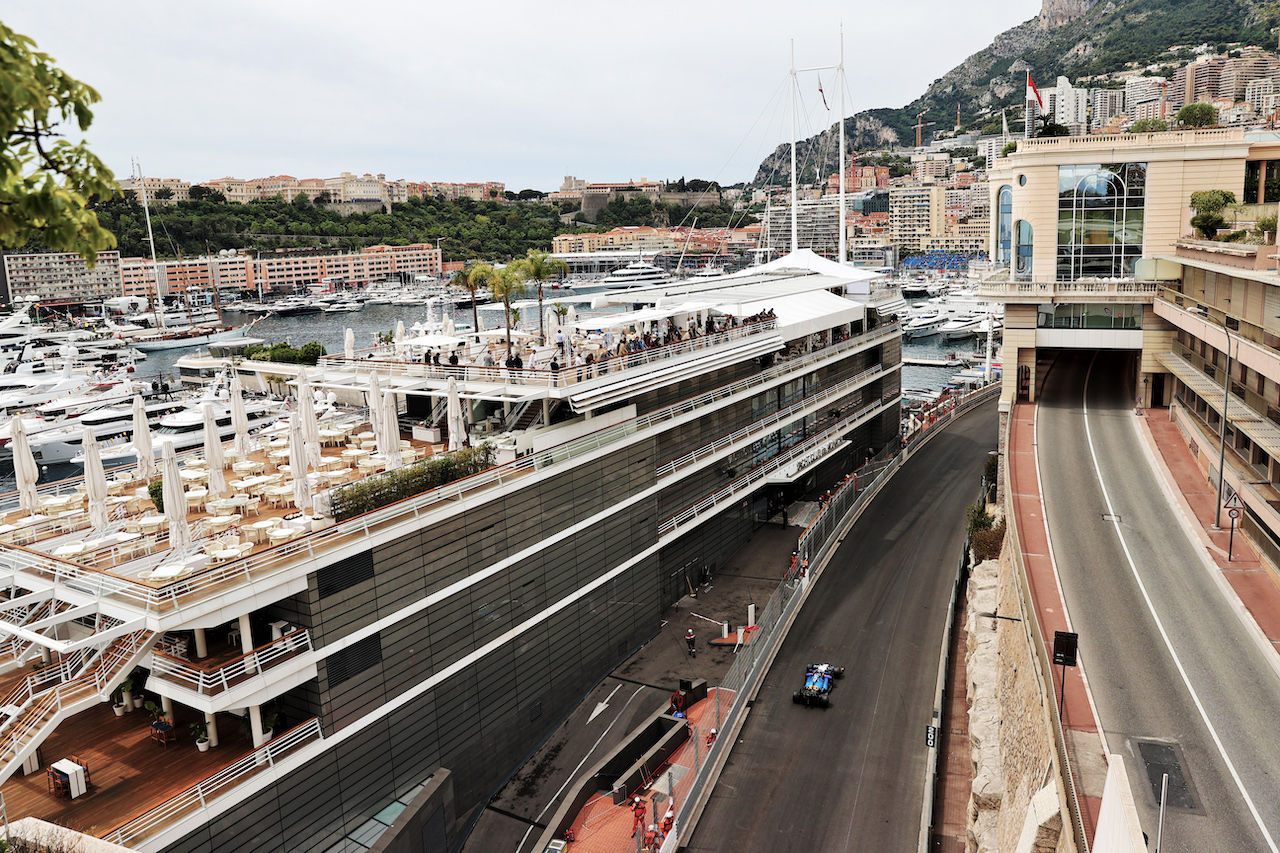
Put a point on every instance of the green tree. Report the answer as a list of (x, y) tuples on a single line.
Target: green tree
[(1208, 205), (506, 285), (1050, 128), (1198, 114), (537, 267), (46, 181), (1009, 148), (1148, 125), (164, 193)]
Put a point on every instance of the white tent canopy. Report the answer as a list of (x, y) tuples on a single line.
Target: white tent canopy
[(801, 314), (434, 341)]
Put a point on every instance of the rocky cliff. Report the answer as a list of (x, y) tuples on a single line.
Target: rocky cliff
[(1073, 38)]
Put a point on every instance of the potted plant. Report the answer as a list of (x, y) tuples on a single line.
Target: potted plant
[(126, 694), (139, 681), (156, 491), (201, 733), (117, 701), (157, 712)]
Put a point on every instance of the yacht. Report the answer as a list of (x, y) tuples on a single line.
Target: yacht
[(968, 324), (36, 389), (294, 307), (638, 274), (343, 306), (924, 325), (111, 425)]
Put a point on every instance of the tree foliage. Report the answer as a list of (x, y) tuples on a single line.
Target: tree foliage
[(1198, 114), (1148, 125), (46, 181)]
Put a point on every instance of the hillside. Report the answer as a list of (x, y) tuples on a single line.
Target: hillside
[(1074, 38)]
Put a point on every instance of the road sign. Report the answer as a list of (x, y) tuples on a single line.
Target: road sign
[(930, 736), (1064, 648), (1233, 512), (1233, 502)]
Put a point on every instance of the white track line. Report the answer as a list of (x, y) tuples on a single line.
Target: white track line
[(1195, 697)]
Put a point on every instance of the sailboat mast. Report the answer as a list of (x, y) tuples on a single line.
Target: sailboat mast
[(151, 239), (843, 240), (795, 228), (213, 283)]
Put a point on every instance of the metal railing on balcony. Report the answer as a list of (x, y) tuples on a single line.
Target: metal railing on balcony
[(218, 785), (105, 584), (210, 682)]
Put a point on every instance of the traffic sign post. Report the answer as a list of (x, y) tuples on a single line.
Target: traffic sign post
[(1231, 537), (1065, 644)]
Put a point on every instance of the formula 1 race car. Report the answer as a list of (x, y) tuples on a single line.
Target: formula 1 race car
[(817, 684)]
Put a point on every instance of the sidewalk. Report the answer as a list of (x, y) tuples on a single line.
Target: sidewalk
[(1079, 725), (1254, 583)]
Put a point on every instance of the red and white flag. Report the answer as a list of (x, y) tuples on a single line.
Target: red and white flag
[(1033, 92), (822, 93)]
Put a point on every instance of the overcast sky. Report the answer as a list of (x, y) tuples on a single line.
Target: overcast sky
[(520, 92)]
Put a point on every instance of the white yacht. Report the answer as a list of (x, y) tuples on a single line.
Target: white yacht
[(924, 325), (638, 274), (111, 425), (41, 388), (968, 325)]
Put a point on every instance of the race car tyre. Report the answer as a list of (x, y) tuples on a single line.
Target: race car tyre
[(797, 697)]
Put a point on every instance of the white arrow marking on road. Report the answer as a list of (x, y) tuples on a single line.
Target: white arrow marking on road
[(600, 706)]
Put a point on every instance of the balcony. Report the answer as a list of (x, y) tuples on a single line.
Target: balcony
[(1081, 290), (228, 679)]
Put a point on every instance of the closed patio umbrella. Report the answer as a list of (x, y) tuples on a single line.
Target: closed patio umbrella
[(310, 426), (239, 417), (24, 466), (374, 398), (175, 501), (298, 465), (349, 344), (457, 428), (95, 480), (146, 464), (213, 452), (399, 337), (389, 439)]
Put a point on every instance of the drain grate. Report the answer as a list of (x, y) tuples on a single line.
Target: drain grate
[(1162, 758)]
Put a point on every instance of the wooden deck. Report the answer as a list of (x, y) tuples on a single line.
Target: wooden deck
[(131, 774)]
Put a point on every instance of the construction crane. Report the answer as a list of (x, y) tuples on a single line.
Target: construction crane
[(921, 125)]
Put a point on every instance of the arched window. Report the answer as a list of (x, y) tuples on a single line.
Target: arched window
[(1004, 225), (1023, 250)]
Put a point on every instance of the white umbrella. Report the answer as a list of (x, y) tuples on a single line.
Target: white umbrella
[(95, 480), (349, 344), (142, 441), (399, 337), (390, 439), (307, 412), (298, 464), (552, 322), (175, 501), (213, 452), (239, 417), (24, 466), (457, 429), (447, 326), (374, 398)]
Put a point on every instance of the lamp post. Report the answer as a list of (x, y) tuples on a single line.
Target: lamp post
[(1222, 427)]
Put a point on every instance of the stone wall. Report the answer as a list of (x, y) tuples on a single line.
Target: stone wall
[(1012, 804)]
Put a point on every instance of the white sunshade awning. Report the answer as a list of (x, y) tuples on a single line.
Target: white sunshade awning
[(632, 318), (801, 314), (433, 341)]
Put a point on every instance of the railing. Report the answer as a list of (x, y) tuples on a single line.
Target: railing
[(212, 682), (816, 542), (733, 489), (1047, 289), (1030, 619), (1175, 139), (198, 797), (769, 421), (131, 592), (563, 378)]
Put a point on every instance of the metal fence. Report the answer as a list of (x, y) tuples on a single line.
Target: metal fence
[(816, 544)]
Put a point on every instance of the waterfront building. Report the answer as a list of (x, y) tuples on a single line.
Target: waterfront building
[(916, 213), (60, 278), (403, 647), (1097, 253), (177, 189)]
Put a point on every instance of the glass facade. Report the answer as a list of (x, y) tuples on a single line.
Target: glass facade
[(1024, 250), (1100, 219), (1262, 181), (1086, 316)]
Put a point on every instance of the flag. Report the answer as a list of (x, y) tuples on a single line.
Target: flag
[(822, 93), (1033, 92)]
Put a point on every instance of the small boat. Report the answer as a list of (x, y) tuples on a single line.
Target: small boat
[(188, 337), (344, 306)]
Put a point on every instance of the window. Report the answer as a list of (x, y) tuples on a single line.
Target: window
[(1023, 250), (1004, 225), (1100, 219)]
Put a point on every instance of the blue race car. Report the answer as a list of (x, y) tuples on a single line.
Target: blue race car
[(818, 678)]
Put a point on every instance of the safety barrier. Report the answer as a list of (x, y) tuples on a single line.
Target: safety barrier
[(816, 544)]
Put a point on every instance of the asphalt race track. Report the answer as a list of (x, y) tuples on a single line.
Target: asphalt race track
[(851, 777), (1145, 707)]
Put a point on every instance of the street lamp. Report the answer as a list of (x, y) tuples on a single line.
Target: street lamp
[(1222, 427)]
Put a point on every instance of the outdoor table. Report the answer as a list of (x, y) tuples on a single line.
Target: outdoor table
[(193, 475), (73, 549), (196, 496), (278, 456), (330, 462), (75, 776), (354, 454), (248, 467), (226, 555), (282, 534), (257, 531), (152, 523), (195, 462), (278, 442), (331, 436), (222, 523), (124, 538), (365, 434), (115, 487), (169, 571), (57, 501)]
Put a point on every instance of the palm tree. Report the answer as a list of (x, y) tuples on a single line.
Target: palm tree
[(472, 279), (506, 284), (539, 266)]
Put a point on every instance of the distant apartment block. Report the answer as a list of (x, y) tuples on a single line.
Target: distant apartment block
[(859, 178), (1143, 90), (178, 189), (1151, 110), (349, 187), (1070, 106), (1108, 105), (916, 213), (60, 278), (647, 239), (936, 167)]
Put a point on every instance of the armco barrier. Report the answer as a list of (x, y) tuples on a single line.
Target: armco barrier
[(816, 545)]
